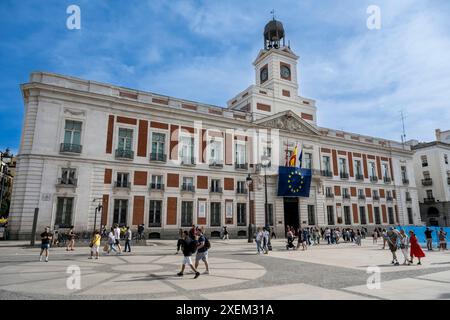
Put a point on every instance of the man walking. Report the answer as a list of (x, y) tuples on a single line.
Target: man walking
[(392, 237), (189, 247), (117, 237), (429, 237), (46, 238), (202, 250), (128, 238)]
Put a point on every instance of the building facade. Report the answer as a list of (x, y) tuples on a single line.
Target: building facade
[(432, 174), (169, 163)]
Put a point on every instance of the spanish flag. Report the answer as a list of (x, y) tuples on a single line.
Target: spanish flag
[(293, 159)]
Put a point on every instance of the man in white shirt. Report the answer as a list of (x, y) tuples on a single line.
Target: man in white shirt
[(117, 237)]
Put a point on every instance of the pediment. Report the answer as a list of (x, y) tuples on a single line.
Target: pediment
[(288, 121)]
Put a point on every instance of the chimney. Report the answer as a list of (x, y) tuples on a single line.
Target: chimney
[(438, 134)]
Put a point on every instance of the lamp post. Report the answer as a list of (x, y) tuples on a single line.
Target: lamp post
[(249, 181), (265, 160), (97, 209)]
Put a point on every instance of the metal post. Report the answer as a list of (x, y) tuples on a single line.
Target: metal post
[(266, 213), (95, 219), (33, 230), (250, 228)]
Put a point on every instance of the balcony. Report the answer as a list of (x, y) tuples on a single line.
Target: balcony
[(429, 200), (376, 198), (241, 166), (70, 148), (361, 197), (124, 154), (187, 188), (216, 190), (122, 184), (67, 182), (405, 181), (408, 199), (359, 177), (373, 179), (427, 182), (346, 196), (241, 191), (343, 175), (188, 161), (326, 173), (329, 196), (160, 157), (448, 181), (156, 186), (389, 198), (387, 180), (218, 164)]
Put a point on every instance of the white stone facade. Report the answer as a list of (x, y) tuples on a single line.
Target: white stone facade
[(273, 106)]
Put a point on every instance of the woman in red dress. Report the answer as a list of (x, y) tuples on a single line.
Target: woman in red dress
[(416, 250)]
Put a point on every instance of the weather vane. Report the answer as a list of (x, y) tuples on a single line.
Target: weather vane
[(273, 13)]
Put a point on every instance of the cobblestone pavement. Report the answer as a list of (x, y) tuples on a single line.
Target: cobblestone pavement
[(237, 272)]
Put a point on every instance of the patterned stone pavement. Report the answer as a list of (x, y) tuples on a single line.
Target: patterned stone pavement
[(237, 273)]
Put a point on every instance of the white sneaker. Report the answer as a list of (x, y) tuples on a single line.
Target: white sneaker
[(40, 258), (46, 259)]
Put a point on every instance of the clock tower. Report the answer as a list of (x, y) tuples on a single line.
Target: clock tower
[(276, 64)]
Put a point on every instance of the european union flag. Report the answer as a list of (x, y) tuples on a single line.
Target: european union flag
[(293, 182)]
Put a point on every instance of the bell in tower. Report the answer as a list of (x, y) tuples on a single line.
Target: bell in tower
[(273, 33)]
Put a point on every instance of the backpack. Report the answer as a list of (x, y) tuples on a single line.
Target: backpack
[(207, 243)]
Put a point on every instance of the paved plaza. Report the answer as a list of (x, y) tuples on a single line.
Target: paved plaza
[(237, 273)]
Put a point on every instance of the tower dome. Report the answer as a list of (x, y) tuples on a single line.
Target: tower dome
[(273, 33)]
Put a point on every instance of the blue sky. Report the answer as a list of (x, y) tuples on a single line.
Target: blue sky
[(203, 51)]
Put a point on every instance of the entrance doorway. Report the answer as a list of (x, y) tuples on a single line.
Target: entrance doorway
[(291, 213)]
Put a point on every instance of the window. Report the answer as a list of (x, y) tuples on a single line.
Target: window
[(326, 163), (158, 146), (376, 211), (188, 183), (362, 215), (268, 153), (373, 172), (120, 212), (241, 187), (388, 195), (241, 214), (342, 165), (426, 175), (408, 196), (424, 161), (385, 170), (347, 216), (446, 159), (328, 192), (361, 193), (154, 219), (215, 214), (330, 215), (410, 216), (270, 214), (215, 151), (307, 161), (404, 173), (122, 180), (215, 185), (157, 182), (391, 215), (345, 193), (72, 132), (187, 211), (240, 153), (187, 150), (375, 194), (64, 212), (311, 215), (430, 194), (358, 168), (125, 139), (68, 176)]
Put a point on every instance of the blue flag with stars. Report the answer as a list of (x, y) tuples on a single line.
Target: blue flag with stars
[(294, 182)]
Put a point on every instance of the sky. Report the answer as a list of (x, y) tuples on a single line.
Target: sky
[(203, 51)]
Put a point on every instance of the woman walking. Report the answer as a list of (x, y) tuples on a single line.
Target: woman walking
[(416, 250), (112, 241), (258, 238), (404, 246), (71, 237), (442, 240)]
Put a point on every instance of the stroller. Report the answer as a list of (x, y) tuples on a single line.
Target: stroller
[(290, 243)]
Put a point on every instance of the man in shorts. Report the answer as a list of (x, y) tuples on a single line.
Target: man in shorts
[(46, 238), (392, 238), (189, 248), (117, 237), (202, 250)]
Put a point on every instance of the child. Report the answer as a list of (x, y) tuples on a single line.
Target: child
[(95, 244), (189, 248)]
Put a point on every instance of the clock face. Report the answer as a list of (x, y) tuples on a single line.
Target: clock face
[(264, 74), (285, 72)]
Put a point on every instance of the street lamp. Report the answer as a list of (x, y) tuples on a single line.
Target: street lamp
[(97, 209), (265, 161), (249, 181)]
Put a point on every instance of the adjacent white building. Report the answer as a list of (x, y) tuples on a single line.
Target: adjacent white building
[(169, 163), (432, 174)]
